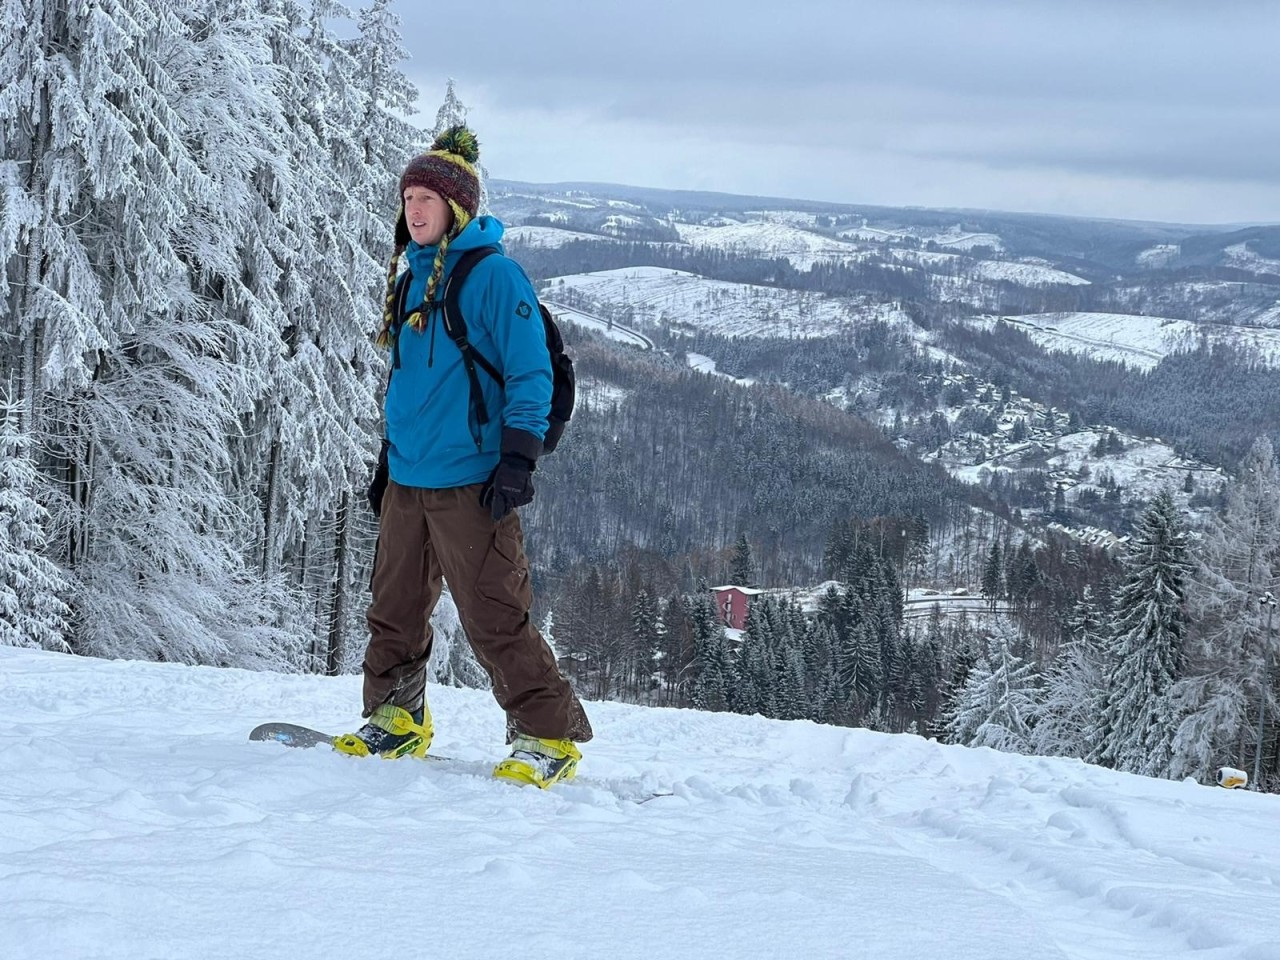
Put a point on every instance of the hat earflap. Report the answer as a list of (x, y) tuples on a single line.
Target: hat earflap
[(402, 237)]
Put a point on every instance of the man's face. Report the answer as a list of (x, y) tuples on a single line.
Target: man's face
[(427, 214)]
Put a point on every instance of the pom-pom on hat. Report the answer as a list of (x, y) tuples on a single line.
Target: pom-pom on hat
[(448, 168)]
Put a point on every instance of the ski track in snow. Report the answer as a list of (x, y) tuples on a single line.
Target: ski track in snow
[(137, 822)]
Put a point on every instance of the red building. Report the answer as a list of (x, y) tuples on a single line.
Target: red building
[(732, 604)]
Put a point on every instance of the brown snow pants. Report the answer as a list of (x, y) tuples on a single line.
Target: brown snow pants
[(425, 535)]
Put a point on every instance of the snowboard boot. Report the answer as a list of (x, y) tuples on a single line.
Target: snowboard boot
[(391, 732), (539, 762)]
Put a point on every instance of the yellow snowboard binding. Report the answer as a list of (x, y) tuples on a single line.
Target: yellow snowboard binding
[(390, 733), (539, 762)]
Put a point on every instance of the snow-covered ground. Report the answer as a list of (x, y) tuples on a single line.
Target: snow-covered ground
[(731, 309), (704, 364), (598, 392), (137, 822), (772, 239), (1239, 255), (614, 331), (1268, 316), (874, 234), (550, 237), (1033, 273), (1158, 256), (1139, 341), (957, 239), (1144, 469), (784, 236), (954, 238), (1025, 274)]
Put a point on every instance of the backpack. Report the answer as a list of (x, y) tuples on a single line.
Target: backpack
[(455, 324)]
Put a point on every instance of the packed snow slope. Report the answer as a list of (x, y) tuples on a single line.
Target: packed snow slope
[(137, 822)]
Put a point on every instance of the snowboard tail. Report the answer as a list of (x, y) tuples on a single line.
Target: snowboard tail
[(291, 735)]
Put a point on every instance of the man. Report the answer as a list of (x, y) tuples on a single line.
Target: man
[(447, 484)]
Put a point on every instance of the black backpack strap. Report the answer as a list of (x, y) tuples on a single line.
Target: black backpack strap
[(397, 313), (455, 325), (398, 318)]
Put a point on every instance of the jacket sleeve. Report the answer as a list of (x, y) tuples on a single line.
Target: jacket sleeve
[(521, 343)]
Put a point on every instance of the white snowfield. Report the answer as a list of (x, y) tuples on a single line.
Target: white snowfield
[(783, 237), (730, 309), (612, 331), (554, 237), (1025, 273), (137, 822), (953, 238), (802, 247), (1139, 341), (1239, 255)]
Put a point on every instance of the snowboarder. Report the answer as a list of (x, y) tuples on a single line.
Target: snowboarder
[(447, 486)]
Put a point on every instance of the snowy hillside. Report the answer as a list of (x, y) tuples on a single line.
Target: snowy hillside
[(535, 236), (136, 822), (612, 331), (732, 309), (954, 238), (1027, 274), (1143, 469), (1139, 341), (1240, 255), (770, 239), (785, 237)]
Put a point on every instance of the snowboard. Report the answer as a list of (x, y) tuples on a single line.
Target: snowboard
[(291, 735), (295, 735)]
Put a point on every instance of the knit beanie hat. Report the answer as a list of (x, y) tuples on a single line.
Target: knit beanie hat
[(448, 168)]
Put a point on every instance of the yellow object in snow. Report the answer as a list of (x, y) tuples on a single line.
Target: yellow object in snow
[(539, 762), (397, 734), (1232, 778)]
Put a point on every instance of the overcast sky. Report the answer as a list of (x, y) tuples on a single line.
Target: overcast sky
[(1122, 108)]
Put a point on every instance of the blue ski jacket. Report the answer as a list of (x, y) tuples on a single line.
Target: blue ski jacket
[(431, 424)]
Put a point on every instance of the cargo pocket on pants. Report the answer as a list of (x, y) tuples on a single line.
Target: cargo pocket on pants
[(504, 573)]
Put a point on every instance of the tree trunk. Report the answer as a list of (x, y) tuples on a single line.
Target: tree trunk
[(338, 595)]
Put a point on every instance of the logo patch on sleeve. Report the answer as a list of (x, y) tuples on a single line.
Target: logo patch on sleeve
[(524, 310)]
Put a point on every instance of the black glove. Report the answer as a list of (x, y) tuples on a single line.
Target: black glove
[(511, 484), (378, 486)]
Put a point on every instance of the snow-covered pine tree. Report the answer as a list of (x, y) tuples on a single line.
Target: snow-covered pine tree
[(643, 644), (742, 568), (713, 668), (1146, 654), (855, 658), (32, 611), (1230, 647), (1074, 687), (677, 650), (308, 239), (58, 141), (791, 701), (992, 576), (821, 687), (135, 173), (997, 705), (751, 689)]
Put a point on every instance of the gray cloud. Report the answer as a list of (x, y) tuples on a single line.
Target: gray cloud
[(1175, 96)]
